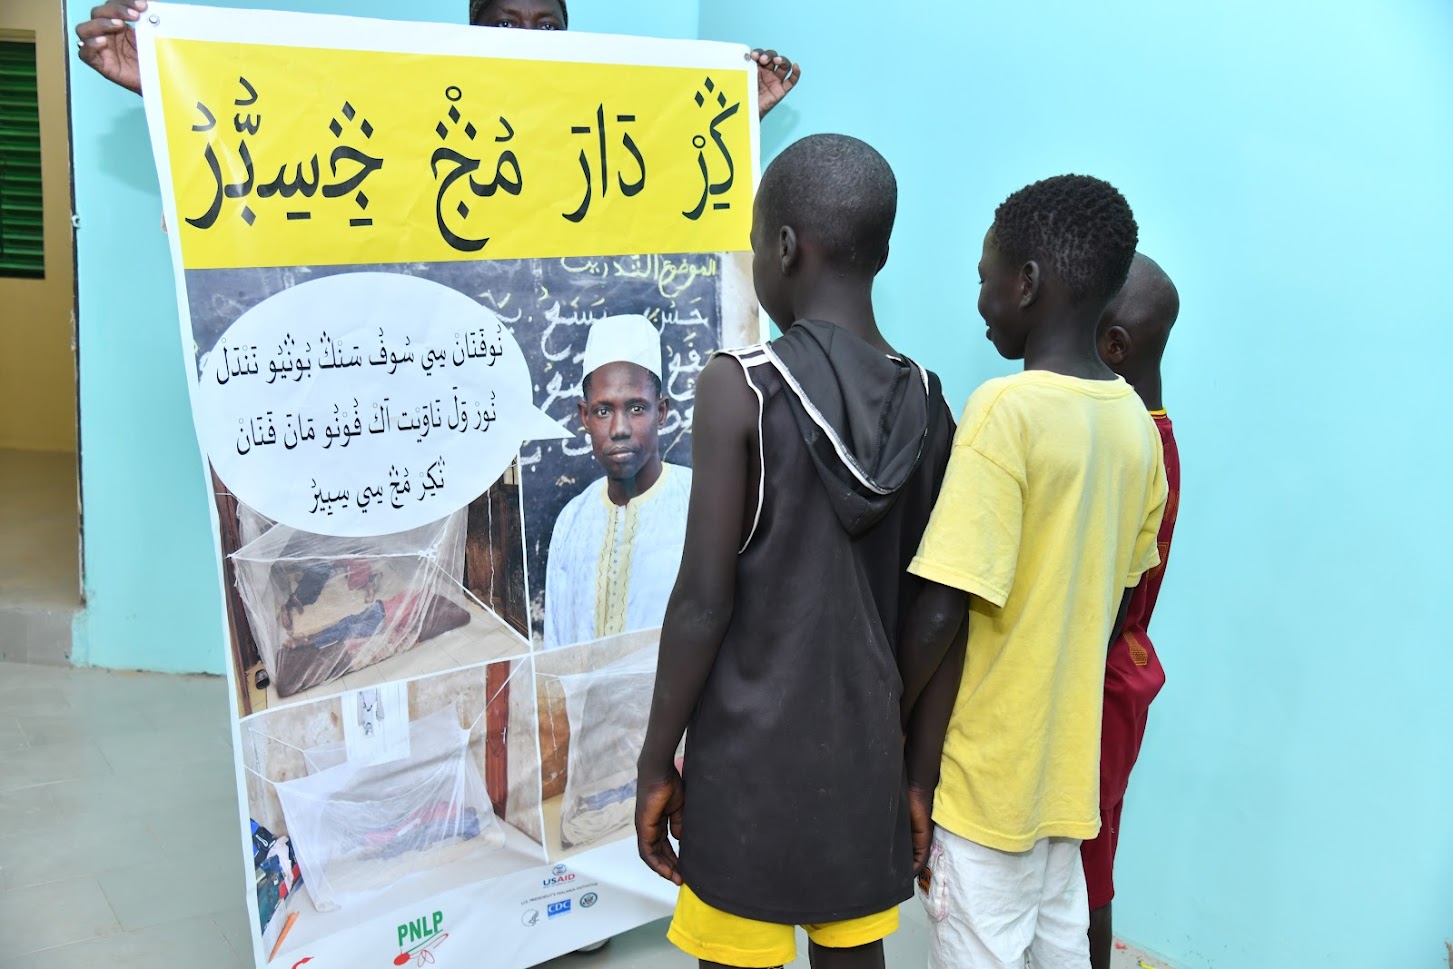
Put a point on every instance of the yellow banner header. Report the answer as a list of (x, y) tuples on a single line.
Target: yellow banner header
[(302, 156)]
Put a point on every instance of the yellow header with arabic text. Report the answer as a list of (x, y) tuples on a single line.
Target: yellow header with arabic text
[(302, 156)]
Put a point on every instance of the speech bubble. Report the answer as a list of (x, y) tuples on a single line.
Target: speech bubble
[(365, 404)]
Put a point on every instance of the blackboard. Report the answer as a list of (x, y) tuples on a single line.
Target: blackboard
[(548, 304)]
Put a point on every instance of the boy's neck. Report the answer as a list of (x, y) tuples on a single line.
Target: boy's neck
[(848, 304), (1147, 385), (1065, 344)]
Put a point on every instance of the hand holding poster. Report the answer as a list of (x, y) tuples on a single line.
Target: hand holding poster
[(445, 294)]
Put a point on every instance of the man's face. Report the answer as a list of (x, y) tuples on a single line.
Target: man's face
[(623, 415), (527, 14), (1000, 288)]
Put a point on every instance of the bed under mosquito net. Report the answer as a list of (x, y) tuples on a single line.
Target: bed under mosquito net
[(321, 606), (360, 829), (608, 710)]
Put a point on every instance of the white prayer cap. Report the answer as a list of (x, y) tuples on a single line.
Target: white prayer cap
[(622, 339)]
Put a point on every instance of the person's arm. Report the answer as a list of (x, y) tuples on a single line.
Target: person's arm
[(1121, 615), (107, 44), (930, 662), (700, 609), (776, 77), (927, 727), (938, 613)]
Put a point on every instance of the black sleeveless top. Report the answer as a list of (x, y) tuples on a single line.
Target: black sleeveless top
[(796, 807)]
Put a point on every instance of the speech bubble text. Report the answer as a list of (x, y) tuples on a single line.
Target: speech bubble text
[(365, 404)]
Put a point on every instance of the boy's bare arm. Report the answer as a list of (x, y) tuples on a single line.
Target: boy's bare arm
[(938, 613), (701, 603), (931, 663), (1122, 614), (928, 721), (926, 728)]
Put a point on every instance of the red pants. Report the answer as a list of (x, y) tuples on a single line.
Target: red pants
[(1129, 688)]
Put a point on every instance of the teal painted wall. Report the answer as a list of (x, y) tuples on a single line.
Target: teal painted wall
[(150, 572), (1290, 166)]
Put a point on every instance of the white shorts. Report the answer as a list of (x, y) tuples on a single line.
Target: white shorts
[(990, 909)]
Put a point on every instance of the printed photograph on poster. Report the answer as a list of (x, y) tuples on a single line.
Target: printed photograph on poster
[(593, 703), (312, 615), (374, 799), (605, 510)]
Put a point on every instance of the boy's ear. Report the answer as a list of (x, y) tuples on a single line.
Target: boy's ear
[(583, 412), (884, 261), (1114, 345), (663, 407), (1030, 279), (787, 249)]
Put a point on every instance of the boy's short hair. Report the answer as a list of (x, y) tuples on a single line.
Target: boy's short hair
[(838, 191), (1078, 226), (476, 10)]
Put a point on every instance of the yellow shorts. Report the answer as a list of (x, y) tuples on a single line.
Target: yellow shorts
[(716, 936)]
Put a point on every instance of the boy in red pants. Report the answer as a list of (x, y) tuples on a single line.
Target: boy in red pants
[(1132, 338)]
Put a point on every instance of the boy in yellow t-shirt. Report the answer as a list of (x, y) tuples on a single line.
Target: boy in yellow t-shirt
[(1047, 517)]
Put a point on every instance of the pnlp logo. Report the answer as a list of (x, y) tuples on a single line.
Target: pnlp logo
[(559, 875), (558, 909)]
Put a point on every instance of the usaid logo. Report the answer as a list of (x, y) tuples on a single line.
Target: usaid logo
[(560, 875), (558, 909)]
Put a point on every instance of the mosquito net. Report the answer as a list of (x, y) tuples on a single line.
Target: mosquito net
[(359, 829), (320, 606), (607, 710)]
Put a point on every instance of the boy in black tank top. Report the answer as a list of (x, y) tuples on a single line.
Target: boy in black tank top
[(817, 461)]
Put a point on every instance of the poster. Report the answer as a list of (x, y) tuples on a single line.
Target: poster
[(404, 254)]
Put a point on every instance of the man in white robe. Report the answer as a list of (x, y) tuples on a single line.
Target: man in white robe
[(617, 545)]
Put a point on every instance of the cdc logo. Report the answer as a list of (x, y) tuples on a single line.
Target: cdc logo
[(558, 909)]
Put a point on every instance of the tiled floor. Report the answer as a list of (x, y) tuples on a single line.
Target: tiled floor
[(116, 799)]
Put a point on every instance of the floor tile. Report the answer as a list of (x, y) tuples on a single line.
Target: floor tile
[(27, 809), (641, 947), (50, 763), (147, 793), (236, 927), (17, 675), (20, 699), (174, 748), (204, 886), (71, 727), (46, 916), (11, 736), (194, 943), (199, 832), (28, 859)]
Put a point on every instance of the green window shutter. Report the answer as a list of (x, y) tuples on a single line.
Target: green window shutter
[(22, 231)]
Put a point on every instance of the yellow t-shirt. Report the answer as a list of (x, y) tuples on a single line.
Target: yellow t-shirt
[(1049, 510)]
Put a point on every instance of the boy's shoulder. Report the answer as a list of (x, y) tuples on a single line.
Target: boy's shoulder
[(987, 402)]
